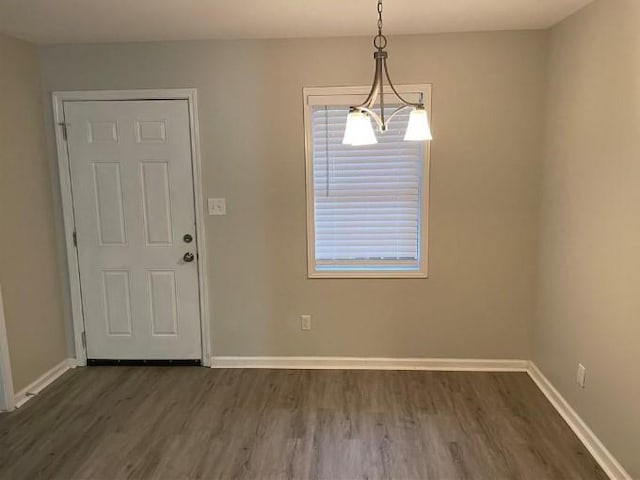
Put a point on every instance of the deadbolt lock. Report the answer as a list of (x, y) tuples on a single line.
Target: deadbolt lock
[(187, 238)]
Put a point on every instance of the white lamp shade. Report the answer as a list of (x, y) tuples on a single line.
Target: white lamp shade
[(418, 127), (359, 130)]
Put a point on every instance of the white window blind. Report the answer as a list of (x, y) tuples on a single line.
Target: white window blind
[(367, 199)]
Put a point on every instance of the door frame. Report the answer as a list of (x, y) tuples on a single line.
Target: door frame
[(7, 397), (191, 95)]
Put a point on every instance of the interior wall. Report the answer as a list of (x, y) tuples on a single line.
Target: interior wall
[(589, 304), (487, 96), (29, 272)]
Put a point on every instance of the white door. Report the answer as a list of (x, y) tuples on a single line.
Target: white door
[(132, 187)]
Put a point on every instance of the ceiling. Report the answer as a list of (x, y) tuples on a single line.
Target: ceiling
[(76, 21)]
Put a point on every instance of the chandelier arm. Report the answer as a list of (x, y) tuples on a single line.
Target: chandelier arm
[(372, 114), (380, 59), (405, 101), (397, 111), (375, 87)]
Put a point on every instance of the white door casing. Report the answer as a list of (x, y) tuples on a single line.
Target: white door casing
[(133, 199), (7, 401)]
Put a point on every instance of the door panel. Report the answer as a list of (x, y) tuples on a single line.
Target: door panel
[(132, 185), (156, 202), (117, 302), (164, 310), (109, 205)]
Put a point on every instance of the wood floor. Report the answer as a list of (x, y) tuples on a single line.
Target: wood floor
[(191, 422)]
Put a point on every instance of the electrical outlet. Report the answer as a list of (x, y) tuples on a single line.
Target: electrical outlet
[(581, 374), (305, 322), (217, 206)]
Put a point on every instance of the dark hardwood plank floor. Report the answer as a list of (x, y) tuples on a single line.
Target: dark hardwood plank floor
[(189, 422)]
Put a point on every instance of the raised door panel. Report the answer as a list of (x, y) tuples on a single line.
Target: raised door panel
[(102, 132), (156, 201), (163, 301), (110, 221), (117, 302)]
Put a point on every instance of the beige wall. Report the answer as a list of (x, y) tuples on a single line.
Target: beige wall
[(486, 117), (589, 301), (29, 273)]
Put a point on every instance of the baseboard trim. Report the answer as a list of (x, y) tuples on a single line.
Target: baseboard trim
[(33, 389), (366, 363), (605, 459)]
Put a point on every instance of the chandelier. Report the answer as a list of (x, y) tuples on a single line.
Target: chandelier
[(359, 130)]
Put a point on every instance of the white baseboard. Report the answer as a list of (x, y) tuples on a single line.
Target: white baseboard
[(366, 363), (33, 389), (605, 459)]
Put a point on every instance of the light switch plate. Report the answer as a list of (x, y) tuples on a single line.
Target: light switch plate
[(217, 206)]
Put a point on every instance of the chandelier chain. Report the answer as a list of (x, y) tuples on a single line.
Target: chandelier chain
[(380, 41)]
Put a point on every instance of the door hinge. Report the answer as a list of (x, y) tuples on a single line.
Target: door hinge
[(75, 239), (84, 340), (63, 126)]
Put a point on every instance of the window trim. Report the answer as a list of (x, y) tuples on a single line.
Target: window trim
[(312, 272)]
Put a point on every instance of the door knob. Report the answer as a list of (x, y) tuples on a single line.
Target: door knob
[(188, 257)]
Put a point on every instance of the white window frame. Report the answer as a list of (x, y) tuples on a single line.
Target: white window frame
[(316, 95)]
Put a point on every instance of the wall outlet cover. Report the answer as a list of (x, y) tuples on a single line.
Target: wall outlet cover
[(581, 375)]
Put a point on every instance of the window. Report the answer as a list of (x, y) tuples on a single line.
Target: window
[(366, 206)]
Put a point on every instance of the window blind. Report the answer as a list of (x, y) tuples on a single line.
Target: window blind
[(366, 199)]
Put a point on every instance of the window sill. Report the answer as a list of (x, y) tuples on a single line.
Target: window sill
[(372, 274)]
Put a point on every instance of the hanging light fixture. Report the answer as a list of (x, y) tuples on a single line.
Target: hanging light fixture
[(359, 130)]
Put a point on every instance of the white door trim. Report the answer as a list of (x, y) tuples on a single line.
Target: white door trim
[(189, 94), (7, 399)]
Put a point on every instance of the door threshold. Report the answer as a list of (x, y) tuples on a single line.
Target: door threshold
[(94, 362)]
